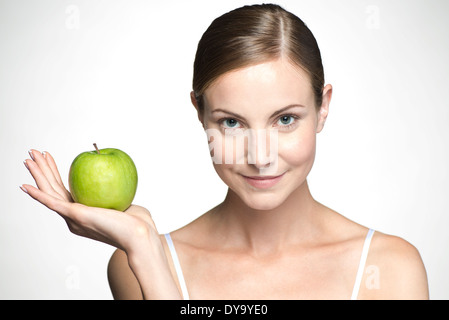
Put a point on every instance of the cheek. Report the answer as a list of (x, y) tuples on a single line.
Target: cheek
[(223, 149), (298, 149), (223, 153)]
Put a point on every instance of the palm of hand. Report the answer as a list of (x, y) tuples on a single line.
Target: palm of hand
[(120, 229)]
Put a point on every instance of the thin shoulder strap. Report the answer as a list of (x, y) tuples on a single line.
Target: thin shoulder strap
[(178, 269), (358, 279)]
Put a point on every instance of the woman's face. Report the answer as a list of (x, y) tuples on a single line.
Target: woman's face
[(262, 124)]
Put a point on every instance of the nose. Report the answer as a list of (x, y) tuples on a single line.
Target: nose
[(263, 148)]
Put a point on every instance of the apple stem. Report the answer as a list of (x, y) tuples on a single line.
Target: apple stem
[(96, 148)]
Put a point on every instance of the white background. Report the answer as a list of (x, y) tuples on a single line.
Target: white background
[(119, 73)]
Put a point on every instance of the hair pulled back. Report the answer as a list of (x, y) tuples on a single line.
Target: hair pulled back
[(251, 35)]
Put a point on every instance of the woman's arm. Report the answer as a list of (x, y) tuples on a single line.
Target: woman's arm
[(122, 281), (394, 271), (405, 276), (132, 231)]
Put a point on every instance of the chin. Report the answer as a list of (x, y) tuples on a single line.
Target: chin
[(263, 201)]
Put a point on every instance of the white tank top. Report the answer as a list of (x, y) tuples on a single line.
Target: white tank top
[(355, 290)]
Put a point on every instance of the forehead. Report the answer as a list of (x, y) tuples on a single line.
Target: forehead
[(269, 85)]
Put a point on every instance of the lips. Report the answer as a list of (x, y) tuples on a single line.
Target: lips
[(263, 182)]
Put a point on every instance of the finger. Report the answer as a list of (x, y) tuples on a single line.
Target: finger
[(40, 179), (47, 200), (52, 164), (43, 165), (45, 175), (94, 223)]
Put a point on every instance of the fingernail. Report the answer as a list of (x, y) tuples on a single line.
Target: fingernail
[(44, 153), (26, 165), (31, 154), (23, 189)]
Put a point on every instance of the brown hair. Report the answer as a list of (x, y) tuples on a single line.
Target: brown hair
[(255, 34)]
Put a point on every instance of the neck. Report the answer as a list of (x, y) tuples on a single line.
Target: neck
[(264, 231)]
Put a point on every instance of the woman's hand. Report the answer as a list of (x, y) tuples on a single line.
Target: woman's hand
[(132, 231), (120, 229), (116, 228)]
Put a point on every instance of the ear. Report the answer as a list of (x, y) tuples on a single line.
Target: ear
[(324, 109), (195, 104)]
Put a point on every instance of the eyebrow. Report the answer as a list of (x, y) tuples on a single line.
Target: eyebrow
[(272, 116)]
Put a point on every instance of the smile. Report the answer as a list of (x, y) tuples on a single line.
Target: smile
[(263, 182)]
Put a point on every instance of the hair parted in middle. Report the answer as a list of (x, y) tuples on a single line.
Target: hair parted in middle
[(254, 34)]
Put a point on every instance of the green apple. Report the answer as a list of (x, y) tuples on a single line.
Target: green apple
[(105, 178)]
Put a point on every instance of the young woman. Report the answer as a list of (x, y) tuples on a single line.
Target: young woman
[(258, 77)]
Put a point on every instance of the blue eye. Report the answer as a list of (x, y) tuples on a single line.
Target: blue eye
[(286, 120), (230, 123)]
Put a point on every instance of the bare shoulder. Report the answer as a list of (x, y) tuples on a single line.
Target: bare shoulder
[(122, 281), (394, 270)]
